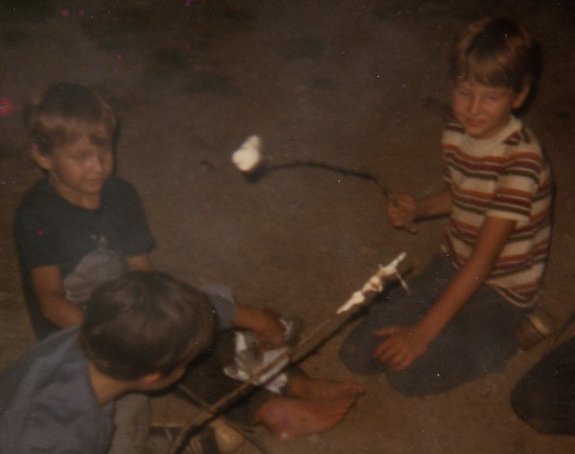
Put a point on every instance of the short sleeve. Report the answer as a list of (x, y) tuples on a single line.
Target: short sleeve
[(36, 239)]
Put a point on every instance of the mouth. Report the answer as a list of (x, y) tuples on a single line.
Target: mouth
[(474, 123), (95, 182)]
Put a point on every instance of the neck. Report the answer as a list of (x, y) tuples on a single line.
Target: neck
[(105, 387), (87, 201)]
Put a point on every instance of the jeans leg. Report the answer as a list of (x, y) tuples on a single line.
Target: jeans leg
[(394, 307), (477, 341)]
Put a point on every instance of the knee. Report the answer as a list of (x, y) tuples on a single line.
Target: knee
[(532, 406), (357, 358)]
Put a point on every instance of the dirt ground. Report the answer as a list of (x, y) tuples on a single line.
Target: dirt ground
[(355, 83)]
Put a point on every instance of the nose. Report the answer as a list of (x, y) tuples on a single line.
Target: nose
[(474, 104), (98, 163)]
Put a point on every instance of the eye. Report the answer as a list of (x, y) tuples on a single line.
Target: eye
[(104, 152), (461, 92), (80, 157)]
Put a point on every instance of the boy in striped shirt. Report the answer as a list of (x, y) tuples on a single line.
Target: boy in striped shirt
[(459, 323)]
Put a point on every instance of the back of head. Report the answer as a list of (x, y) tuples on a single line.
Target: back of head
[(497, 53), (144, 323), (67, 112)]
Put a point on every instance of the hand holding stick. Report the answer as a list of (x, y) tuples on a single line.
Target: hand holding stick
[(401, 210)]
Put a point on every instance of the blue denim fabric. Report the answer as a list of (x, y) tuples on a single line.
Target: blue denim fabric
[(478, 340)]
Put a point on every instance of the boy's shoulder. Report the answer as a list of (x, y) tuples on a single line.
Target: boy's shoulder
[(55, 373), (521, 137)]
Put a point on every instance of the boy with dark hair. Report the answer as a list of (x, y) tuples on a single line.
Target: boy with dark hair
[(140, 332), (459, 323)]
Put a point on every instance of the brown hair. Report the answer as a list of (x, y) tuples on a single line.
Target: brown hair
[(146, 322), (495, 52), (67, 112)]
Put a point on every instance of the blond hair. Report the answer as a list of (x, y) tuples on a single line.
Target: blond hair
[(495, 52), (66, 113)]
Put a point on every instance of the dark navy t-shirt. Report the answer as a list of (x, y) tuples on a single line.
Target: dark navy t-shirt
[(89, 246)]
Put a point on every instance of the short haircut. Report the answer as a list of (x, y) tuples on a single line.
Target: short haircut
[(66, 113), (495, 52), (144, 323)]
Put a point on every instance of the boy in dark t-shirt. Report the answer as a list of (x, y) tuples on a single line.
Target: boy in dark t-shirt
[(89, 246), (80, 226)]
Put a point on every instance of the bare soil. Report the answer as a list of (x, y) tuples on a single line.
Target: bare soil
[(354, 83)]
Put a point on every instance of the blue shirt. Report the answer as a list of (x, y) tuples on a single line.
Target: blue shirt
[(48, 405)]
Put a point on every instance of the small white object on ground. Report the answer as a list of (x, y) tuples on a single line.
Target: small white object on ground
[(249, 155), (248, 363), (373, 284)]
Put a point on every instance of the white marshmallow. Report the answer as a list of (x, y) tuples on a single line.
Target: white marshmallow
[(248, 156)]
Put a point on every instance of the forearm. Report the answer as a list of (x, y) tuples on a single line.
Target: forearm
[(49, 290), (491, 239), (437, 204), (140, 263), (264, 323), (61, 312), (248, 318), (469, 278)]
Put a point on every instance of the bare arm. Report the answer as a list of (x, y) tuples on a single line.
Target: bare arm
[(438, 204), (140, 263), (48, 287), (264, 323), (402, 345)]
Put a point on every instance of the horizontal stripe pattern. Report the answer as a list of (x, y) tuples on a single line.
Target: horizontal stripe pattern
[(506, 177)]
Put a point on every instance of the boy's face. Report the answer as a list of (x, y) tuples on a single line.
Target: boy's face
[(79, 170), (482, 110)]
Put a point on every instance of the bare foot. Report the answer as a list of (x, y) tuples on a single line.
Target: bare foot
[(305, 387), (288, 418)]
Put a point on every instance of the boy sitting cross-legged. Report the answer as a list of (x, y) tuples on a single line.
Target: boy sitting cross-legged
[(459, 323)]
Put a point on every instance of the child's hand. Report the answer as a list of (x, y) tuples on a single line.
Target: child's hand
[(267, 328), (401, 210), (401, 346)]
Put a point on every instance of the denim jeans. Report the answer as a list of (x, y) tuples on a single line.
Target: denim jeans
[(478, 340)]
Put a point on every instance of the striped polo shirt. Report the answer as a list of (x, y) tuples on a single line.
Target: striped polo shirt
[(506, 176)]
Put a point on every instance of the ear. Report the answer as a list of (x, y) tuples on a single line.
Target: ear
[(44, 161), (149, 381), (521, 96)]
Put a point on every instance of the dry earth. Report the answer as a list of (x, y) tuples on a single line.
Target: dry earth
[(354, 83)]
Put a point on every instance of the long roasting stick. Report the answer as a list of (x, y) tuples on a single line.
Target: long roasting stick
[(359, 299)]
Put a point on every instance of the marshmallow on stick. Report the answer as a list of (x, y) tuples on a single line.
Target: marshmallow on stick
[(373, 284)]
